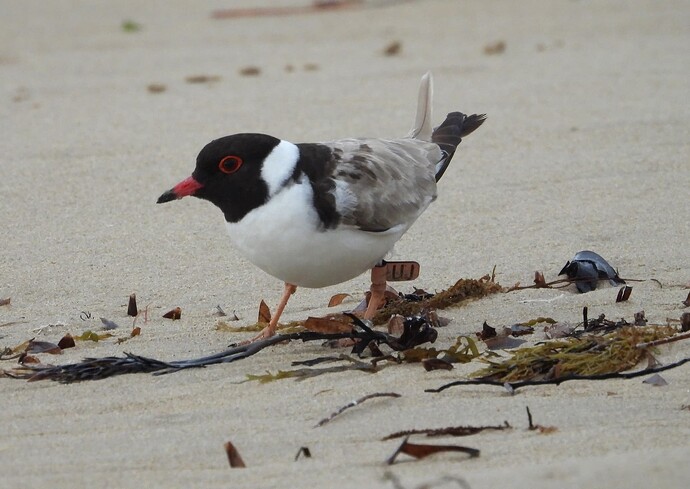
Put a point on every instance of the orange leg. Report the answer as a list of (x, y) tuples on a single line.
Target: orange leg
[(270, 330), (378, 290)]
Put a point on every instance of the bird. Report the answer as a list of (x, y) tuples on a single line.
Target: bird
[(318, 214)]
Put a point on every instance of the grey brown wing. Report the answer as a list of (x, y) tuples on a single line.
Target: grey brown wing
[(383, 184)]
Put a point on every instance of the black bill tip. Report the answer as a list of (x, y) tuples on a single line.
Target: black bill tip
[(167, 197)]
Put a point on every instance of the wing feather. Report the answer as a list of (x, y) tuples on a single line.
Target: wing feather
[(383, 184)]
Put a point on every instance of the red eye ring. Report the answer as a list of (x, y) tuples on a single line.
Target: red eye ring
[(230, 164)]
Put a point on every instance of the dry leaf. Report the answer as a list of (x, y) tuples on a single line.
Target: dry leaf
[(5, 302), (250, 71), (43, 347), (539, 280), (233, 456), (66, 342), (393, 48), (264, 313), (202, 78), (337, 299), (436, 364), (135, 332), (329, 324), (132, 306), (173, 314), (156, 88), (24, 359), (497, 47)]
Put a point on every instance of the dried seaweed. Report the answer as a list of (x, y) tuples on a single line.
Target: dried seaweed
[(100, 368), (464, 350), (307, 373), (449, 431), (513, 386), (234, 458), (587, 355), (463, 290), (354, 403)]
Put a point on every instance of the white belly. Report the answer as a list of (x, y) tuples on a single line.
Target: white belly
[(282, 238)]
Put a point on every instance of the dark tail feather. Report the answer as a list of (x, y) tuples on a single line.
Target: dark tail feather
[(449, 134)]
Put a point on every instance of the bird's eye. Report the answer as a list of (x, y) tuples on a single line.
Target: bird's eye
[(230, 164)]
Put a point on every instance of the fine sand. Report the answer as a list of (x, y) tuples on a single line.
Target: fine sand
[(585, 147)]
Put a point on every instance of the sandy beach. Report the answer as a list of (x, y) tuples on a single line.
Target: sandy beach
[(106, 104)]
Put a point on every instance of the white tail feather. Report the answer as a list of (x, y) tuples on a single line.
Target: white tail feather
[(422, 123)]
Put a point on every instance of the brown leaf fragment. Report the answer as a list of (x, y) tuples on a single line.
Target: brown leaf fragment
[(423, 450), (393, 48), (156, 88), (135, 332), (303, 451), (539, 280), (66, 341), (686, 302), (624, 293), (5, 302), (264, 313), (43, 347), (28, 359), (353, 404), (250, 71), (329, 324), (430, 364), (496, 47), (132, 306), (337, 299), (173, 314), (202, 78), (234, 457)]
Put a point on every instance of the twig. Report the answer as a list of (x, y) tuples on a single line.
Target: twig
[(557, 381), (353, 404), (663, 341)]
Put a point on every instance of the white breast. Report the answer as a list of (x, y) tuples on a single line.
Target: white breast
[(282, 238)]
